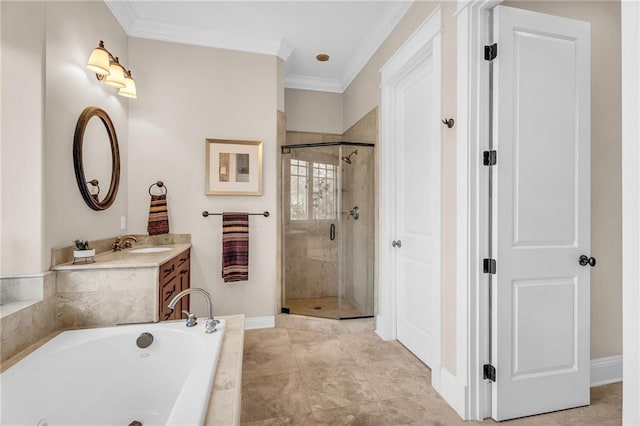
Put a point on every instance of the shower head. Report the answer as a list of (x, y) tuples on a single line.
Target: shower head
[(347, 159)]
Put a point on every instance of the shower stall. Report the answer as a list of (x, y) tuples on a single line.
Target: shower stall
[(328, 229)]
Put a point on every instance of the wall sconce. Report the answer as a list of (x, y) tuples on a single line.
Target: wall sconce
[(110, 71)]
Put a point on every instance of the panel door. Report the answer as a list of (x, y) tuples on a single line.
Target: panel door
[(418, 180), (541, 292)]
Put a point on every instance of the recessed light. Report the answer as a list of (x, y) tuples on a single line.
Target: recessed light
[(322, 57)]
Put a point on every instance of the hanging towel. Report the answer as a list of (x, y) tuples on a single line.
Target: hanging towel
[(158, 215), (235, 247)]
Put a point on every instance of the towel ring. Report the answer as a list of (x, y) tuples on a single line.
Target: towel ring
[(159, 184)]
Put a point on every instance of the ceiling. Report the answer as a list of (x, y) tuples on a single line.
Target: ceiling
[(348, 31)]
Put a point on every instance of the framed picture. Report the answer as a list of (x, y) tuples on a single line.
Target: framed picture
[(233, 167)]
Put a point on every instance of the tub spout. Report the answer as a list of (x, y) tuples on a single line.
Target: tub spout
[(210, 323)]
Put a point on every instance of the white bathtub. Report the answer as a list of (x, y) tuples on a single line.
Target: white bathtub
[(100, 377)]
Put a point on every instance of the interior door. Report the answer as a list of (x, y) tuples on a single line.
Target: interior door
[(418, 180), (541, 115)]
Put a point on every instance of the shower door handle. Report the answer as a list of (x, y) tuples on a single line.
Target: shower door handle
[(332, 232)]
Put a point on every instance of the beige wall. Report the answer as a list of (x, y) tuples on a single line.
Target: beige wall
[(222, 94), (364, 94), (606, 157), (73, 30), (22, 130), (45, 87), (311, 111)]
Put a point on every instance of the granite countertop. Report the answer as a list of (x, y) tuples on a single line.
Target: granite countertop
[(126, 259)]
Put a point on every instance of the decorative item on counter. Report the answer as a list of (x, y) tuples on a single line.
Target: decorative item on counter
[(84, 253), (158, 213)]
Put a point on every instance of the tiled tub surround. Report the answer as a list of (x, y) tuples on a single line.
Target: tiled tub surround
[(120, 287), (223, 408), (27, 311)]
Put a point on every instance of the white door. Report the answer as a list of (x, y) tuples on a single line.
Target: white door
[(417, 204), (410, 198), (540, 324)]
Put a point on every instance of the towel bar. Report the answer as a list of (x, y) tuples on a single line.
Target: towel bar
[(206, 213)]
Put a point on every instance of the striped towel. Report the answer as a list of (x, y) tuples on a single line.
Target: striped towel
[(158, 215), (235, 247)]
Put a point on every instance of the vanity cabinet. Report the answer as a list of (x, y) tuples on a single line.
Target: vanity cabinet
[(175, 276)]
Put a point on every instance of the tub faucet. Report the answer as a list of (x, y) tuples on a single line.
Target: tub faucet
[(210, 323), (124, 242)]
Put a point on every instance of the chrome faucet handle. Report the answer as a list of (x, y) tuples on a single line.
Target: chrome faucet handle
[(210, 325), (192, 320)]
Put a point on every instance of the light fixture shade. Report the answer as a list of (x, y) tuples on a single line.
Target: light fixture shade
[(116, 75), (99, 61), (129, 90)]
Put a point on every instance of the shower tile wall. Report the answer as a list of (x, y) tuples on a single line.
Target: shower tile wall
[(314, 274), (297, 138), (364, 130)]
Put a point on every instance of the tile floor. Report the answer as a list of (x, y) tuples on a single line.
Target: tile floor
[(298, 377)]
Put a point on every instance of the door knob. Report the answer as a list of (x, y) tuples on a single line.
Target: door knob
[(397, 244), (586, 260)]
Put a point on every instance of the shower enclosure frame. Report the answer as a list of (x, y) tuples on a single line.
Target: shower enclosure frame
[(337, 227)]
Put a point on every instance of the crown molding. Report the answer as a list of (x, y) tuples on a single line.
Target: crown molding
[(285, 50), (137, 27), (394, 12), (154, 30), (313, 83), (123, 13)]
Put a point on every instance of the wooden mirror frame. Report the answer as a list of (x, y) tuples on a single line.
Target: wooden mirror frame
[(78, 165)]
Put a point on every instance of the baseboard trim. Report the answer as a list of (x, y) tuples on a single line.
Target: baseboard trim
[(606, 370), (453, 391), (253, 323)]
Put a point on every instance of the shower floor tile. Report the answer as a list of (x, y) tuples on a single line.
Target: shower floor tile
[(324, 307)]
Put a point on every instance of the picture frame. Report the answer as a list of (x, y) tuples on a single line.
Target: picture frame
[(233, 167)]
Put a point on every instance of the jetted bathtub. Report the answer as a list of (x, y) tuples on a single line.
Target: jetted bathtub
[(101, 377)]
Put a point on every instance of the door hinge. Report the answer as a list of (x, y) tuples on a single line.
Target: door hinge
[(489, 372), (490, 52), (489, 266), (489, 158)]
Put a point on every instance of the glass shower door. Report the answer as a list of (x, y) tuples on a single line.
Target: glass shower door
[(311, 230)]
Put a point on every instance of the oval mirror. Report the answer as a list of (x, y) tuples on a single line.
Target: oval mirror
[(96, 176)]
